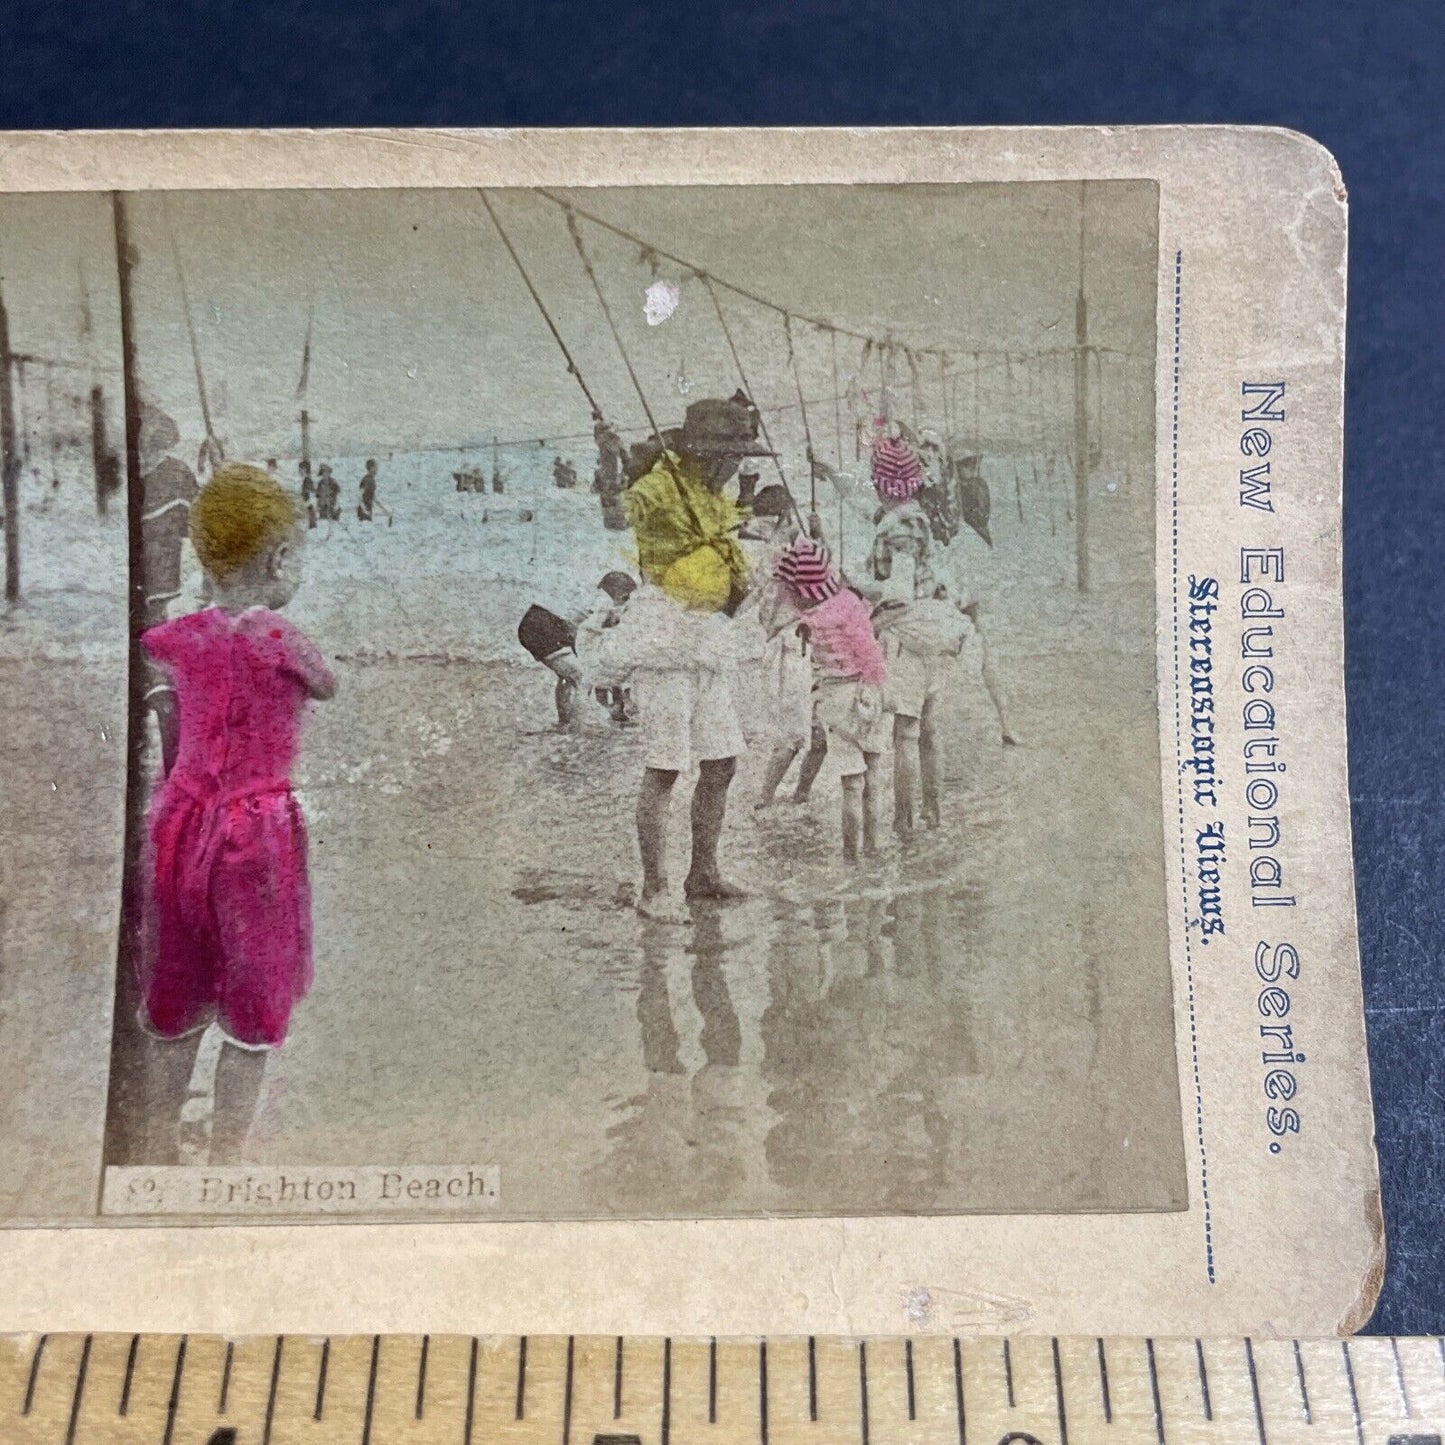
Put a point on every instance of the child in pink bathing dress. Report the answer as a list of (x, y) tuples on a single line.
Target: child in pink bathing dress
[(848, 677), (229, 907)]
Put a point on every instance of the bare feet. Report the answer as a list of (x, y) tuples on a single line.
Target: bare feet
[(659, 908), (714, 890)]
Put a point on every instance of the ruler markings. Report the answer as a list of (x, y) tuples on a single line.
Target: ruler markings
[(567, 1396), (59, 1393), (129, 1375), (1059, 1392), (1400, 1378), (1354, 1394), (763, 1391), (471, 1394), (712, 1381), (1304, 1394), (1254, 1390), (79, 1391), (271, 1394), (812, 1378), (35, 1360), (1204, 1399), (863, 1389), (1104, 1383), (371, 1390), (321, 1378), (225, 1394), (1154, 1388), (175, 1399), (1008, 1371), (958, 1392)]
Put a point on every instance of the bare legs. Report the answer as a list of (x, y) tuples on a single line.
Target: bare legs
[(928, 766), (709, 808), (860, 810), (652, 800), (779, 761), (782, 759), (239, 1074), (568, 692), (812, 764), (907, 767)]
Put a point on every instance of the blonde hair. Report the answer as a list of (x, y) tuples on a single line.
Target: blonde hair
[(239, 513)]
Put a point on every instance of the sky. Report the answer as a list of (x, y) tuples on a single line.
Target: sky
[(423, 332)]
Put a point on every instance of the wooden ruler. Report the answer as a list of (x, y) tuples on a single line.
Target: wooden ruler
[(380, 1389)]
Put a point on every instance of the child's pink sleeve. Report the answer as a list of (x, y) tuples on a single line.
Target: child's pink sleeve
[(303, 660), (161, 643)]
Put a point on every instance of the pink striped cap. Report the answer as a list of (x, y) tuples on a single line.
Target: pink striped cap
[(897, 472), (807, 567)]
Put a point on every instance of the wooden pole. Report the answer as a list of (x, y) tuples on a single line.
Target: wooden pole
[(100, 450), (1081, 416), (124, 1124), (9, 462)]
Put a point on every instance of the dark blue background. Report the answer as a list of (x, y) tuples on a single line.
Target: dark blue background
[(1364, 78)]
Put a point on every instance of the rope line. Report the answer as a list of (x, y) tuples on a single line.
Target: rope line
[(576, 235), (747, 388), (211, 436), (837, 400), (803, 409), (541, 305)]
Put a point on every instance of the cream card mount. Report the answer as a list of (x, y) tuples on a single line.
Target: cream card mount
[(677, 731)]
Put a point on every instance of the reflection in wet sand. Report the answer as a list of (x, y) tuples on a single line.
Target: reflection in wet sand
[(980, 1022), (835, 1053)]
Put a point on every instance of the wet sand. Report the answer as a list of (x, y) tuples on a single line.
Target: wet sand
[(978, 1022)]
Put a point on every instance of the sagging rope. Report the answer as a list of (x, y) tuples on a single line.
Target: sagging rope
[(651, 252), (665, 459), (748, 390), (855, 396), (541, 306), (803, 409), (914, 382), (212, 447), (837, 399), (586, 260)]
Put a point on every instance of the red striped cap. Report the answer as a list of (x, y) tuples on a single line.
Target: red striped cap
[(897, 472), (807, 567)]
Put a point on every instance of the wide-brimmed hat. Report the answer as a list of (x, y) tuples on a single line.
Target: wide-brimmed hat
[(713, 426)]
